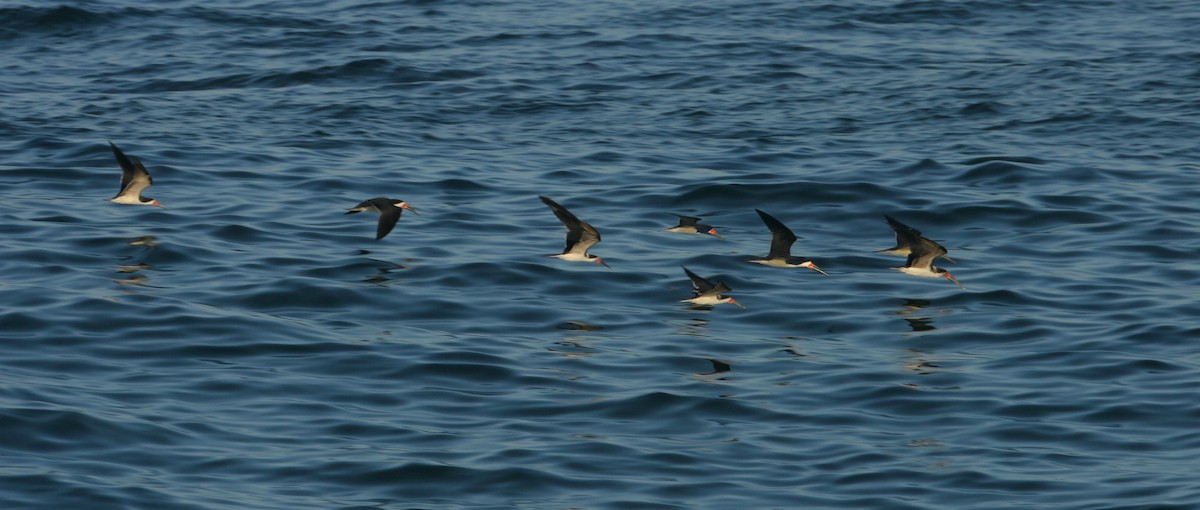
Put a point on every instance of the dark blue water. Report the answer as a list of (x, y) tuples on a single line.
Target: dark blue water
[(252, 347)]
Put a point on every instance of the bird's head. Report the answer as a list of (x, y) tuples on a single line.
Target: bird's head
[(404, 205), (809, 264), (947, 275)]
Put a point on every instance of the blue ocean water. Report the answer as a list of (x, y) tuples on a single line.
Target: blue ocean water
[(252, 347)]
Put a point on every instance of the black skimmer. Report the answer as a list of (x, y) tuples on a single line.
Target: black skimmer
[(781, 247), (922, 251), (134, 179), (389, 210), (580, 235), (903, 234), (690, 225), (707, 294)]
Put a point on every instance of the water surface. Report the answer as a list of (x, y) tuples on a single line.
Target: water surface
[(252, 347)]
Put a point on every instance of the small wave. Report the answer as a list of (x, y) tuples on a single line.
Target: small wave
[(919, 11), (436, 480), (72, 430), (357, 72), (997, 171), (17, 20), (982, 109), (253, 18), (1029, 160)]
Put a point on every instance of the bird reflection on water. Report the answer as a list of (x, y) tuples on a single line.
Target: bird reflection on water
[(381, 277), (575, 345), (917, 323), (146, 241), (918, 362), (137, 280), (125, 266), (133, 268), (719, 367), (695, 326), (793, 347)]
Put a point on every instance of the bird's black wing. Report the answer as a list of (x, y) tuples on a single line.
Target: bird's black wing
[(699, 285), (388, 216), (782, 237)]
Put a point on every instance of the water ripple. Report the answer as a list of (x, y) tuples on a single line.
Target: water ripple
[(254, 347)]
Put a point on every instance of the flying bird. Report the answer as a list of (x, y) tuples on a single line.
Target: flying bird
[(922, 251), (707, 294), (903, 234), (134, 179), (389, 210), (781, 247), (580, 235), (691, 225)]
